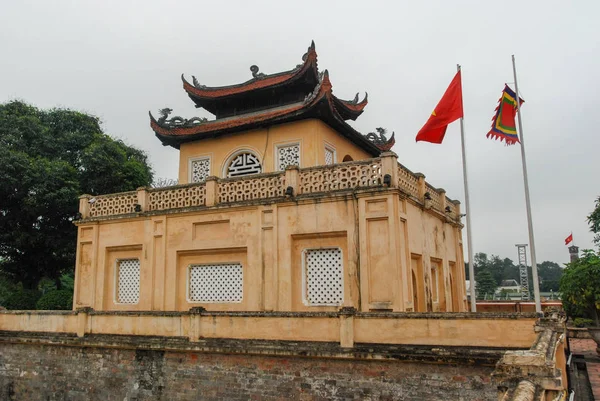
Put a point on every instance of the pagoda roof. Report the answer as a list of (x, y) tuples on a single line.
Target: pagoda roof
[(207, 97), (320, 104)]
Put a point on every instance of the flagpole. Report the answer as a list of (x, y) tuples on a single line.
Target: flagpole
[(468, 212), (536, 285)]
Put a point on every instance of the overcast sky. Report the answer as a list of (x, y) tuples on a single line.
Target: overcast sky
[(119, 59)]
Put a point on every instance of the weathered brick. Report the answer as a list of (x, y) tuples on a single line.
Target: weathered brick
[(56, 372)]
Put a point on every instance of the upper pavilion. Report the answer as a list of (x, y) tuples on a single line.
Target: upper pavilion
[(270, 121)]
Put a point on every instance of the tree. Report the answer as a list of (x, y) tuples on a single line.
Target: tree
[(47, 159), (550, 274), (594, 222), (485, 283), (580, 286)]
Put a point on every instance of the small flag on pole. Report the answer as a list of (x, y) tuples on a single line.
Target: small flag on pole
[(569, 239), (503, 123), (448, 110)]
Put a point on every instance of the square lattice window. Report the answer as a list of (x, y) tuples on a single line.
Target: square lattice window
[(200, 169), (323, 277), (329, 156), (288, 155), (219, 283), (128, 281)]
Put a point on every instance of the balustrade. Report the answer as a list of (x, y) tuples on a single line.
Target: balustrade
[(362, 174)]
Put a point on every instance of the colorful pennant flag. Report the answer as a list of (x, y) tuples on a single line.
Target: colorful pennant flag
[(448, 110), (503, 123), (569, 239)]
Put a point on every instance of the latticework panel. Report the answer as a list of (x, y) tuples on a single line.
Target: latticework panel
[(323, 271), (222, 283), (329, 156), (110, 205), (408, 182), (200, 169), (172, 198), (271, 186), (341, 176), (288, 156), (452, 207), (128, 281), (436, 199), (244, 164)]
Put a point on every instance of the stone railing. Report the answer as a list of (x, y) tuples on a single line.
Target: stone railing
[(436, 197), (262, 186), (176, 197), (108, 205), (361, 174), (380, 172), (409, 181)]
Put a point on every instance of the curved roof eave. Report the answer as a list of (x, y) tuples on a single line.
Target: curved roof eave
[(201, 92)]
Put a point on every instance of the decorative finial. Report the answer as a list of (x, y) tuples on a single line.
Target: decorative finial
[(380, 140), (255, 73), (176, 121)]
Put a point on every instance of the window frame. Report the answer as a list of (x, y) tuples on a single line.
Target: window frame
[(305, 300), (189, 282), (117, 270), (191, 161), (235, 154), (331, 148), (286, 145)]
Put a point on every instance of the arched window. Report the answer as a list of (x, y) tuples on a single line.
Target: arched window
[(348, 158), (243, 163)]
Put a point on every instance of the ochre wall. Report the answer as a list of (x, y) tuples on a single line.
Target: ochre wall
[(378, 234), (312, 135)]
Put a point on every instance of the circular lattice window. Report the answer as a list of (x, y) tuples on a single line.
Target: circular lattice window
[(244, 163)]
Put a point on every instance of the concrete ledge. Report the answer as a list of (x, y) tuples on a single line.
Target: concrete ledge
[(345, 326)]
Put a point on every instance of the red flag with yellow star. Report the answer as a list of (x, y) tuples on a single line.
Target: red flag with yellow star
[(448, 110)]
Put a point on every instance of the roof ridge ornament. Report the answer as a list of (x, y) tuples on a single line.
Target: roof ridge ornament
[(196, 83), (380, 140), (177, 121), (255, 73), (305, 55)]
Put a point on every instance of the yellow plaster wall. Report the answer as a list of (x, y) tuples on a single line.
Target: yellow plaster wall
[(438, 330), (312, 135), (379, 233), (470, 332)]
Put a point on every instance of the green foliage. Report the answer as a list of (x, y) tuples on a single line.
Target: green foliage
[(580, 286), (594, 222), (56, 300), (47, 159), (485, 283), (67, 281), (7, 287), (582, 322), (22, 299), (549, 274)]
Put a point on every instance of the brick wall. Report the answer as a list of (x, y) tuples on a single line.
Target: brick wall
[(55, 370)]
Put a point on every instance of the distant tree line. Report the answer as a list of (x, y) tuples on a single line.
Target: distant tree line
[(491, 271)]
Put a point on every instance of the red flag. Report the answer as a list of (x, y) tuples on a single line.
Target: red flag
[(448, 110), (569, 239)]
